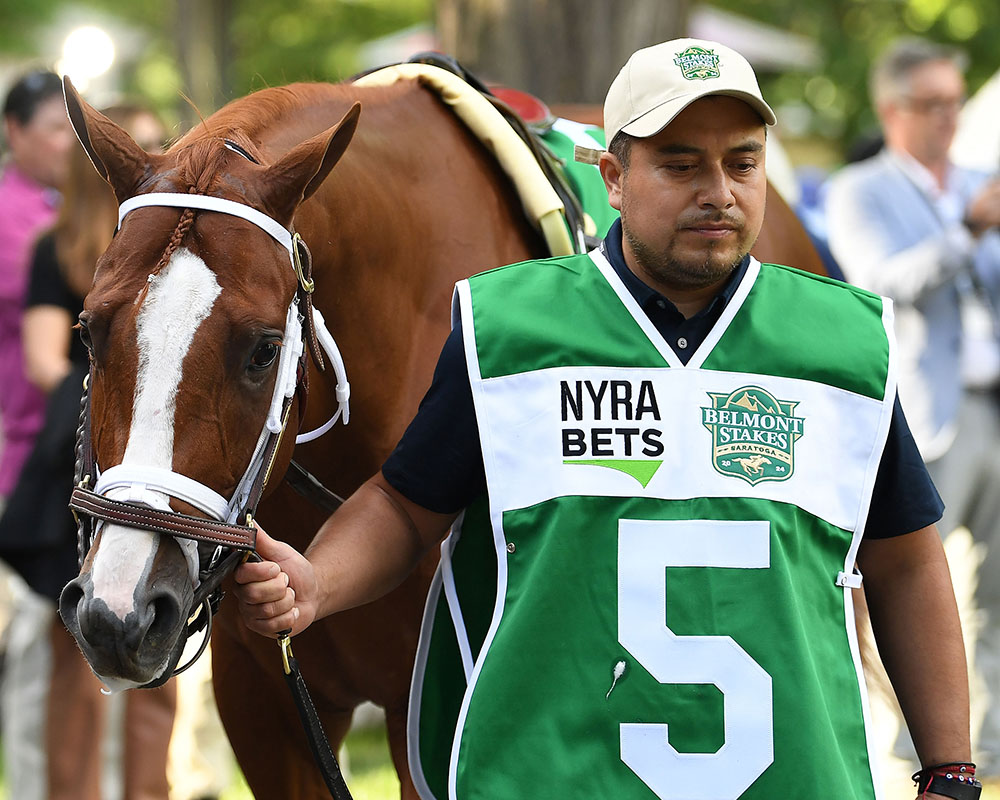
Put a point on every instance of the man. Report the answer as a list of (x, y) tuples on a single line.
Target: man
[(911, 225), (39, 138), (647, 593)]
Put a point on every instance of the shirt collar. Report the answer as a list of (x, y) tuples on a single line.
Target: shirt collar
[(920, 175), (947, 201), (645, 294)]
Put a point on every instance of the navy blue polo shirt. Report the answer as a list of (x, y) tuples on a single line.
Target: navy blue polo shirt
[(438, 464)]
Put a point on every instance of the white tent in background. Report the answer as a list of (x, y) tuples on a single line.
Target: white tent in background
[(977, 143), (768, 48)]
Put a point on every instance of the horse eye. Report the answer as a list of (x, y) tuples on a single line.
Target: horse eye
[(264, 355)]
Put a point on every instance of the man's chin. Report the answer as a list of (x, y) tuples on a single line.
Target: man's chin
[(691, 267), (708, 268)]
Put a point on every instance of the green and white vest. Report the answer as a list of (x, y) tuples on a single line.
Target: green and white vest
[(654, 599)]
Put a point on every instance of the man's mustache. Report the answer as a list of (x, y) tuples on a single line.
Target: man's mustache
[(716, 219)]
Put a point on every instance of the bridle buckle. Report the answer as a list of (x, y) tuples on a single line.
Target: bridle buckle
[(302, 272)]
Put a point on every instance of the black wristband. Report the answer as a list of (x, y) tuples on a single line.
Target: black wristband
[(970, 789), (949, 780)]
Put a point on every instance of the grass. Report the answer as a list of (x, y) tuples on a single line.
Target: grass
[(366, 764)]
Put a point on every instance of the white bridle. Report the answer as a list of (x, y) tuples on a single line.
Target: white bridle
[(152, 486)]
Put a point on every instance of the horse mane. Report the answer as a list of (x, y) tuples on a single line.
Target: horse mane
[(241, 120), (201, 153)]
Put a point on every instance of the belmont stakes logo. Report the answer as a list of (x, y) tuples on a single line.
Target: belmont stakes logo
[(753, 434), (698, 64)]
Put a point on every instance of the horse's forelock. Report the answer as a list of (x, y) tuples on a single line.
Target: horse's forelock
[(201, 165)]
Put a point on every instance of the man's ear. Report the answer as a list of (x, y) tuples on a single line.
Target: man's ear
[(613, 173)]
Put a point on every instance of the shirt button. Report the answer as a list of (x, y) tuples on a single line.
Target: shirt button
[(661, 304), (682, 343)]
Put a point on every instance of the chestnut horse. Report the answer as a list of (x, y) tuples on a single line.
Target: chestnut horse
[(185, 323)]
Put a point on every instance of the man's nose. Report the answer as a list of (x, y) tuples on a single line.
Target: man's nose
[(715, 188)]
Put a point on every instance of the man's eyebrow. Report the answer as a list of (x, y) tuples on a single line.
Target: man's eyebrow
[(679, 150), (749, 146)]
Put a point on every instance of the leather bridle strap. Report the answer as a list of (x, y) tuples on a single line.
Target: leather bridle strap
[(171, 523), (150, 485)]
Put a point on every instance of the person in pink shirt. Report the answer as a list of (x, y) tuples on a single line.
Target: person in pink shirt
[(38, 138)]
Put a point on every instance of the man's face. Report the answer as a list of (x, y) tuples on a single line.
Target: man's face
[(41, 148), (923, 119), (692, 195)]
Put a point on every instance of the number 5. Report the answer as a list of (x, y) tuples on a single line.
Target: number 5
[(645, 549)]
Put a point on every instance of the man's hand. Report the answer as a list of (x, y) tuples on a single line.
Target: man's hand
[(278, 593), (360, 553), (983, 212)]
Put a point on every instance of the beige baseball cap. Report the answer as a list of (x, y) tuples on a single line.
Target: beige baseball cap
[(659, 82)]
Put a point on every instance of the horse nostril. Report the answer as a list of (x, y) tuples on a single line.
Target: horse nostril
[(69, 602), (164, 618)]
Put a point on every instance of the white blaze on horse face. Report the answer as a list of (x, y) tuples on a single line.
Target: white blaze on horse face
[(179, 299)]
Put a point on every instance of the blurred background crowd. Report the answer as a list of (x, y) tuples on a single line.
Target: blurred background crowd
[(887, 140)]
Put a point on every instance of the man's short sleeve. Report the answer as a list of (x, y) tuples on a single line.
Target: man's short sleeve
[(905, 498), (438, 464)]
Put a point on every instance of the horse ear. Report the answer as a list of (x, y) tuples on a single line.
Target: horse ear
[(118, 159), (300, 172)]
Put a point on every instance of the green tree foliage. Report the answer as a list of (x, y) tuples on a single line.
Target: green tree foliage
[(256, 43), (20, 20), (851, 33), (288, 40)]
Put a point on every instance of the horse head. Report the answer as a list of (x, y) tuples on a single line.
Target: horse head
[(187, 323)]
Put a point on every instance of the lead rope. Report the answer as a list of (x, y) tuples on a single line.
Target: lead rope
[(319, 744)]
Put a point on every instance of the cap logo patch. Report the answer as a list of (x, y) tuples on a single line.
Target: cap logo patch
[(698, 64)]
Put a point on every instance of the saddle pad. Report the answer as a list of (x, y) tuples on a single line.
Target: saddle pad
[(541, 203)]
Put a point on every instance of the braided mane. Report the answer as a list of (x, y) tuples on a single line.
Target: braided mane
[(201, 154), (199, 166)]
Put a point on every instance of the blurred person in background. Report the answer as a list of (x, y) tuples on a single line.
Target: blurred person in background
[(38, 137), (37, 532), (909, 224), (38, 140)]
